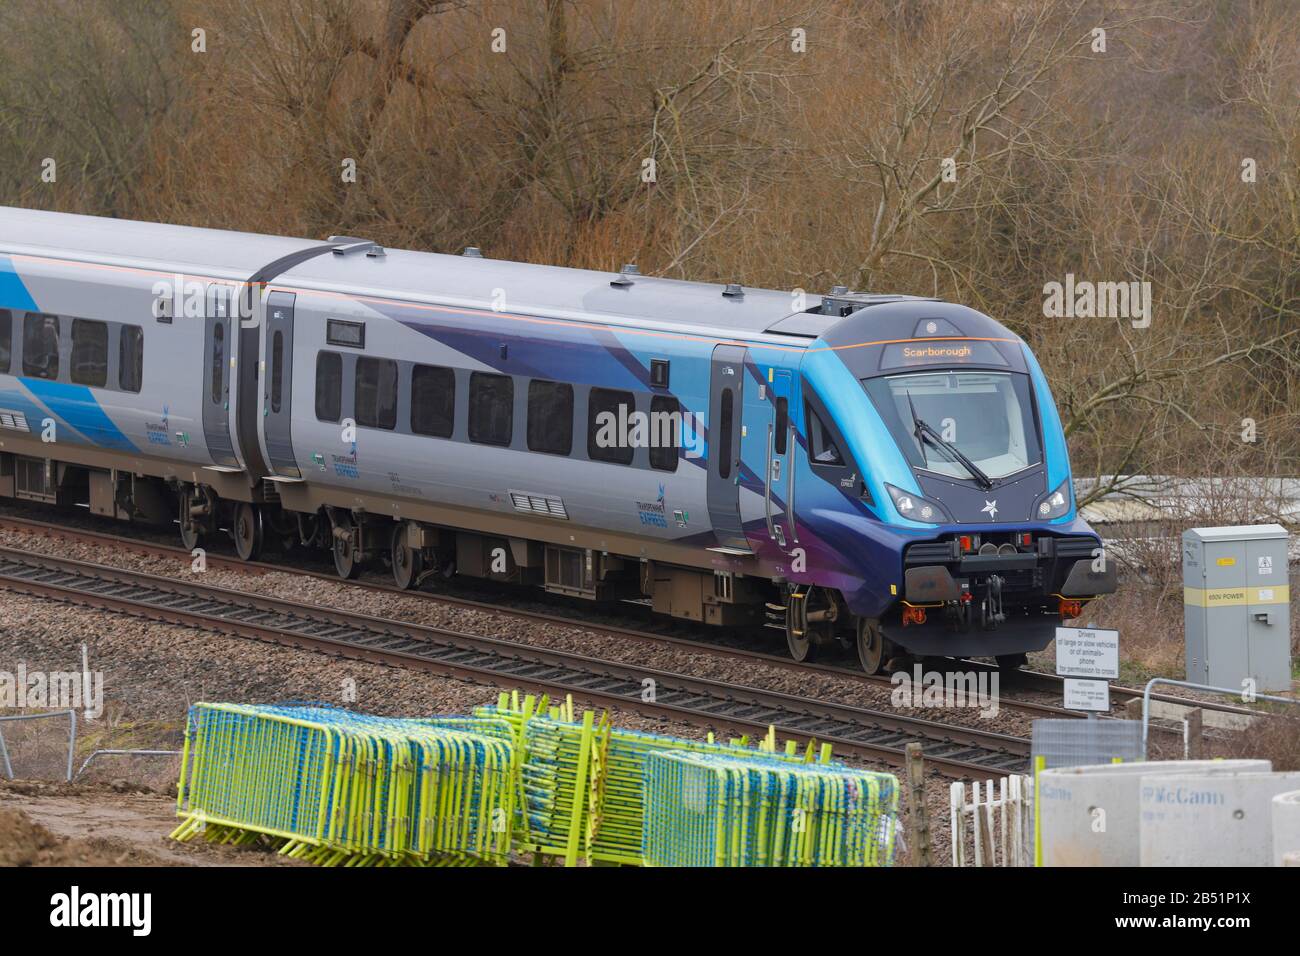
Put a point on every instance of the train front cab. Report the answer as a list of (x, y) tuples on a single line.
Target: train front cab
[(977, 548)]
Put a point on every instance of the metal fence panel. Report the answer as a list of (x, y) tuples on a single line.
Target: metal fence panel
[(72, 737), (1078, 743)]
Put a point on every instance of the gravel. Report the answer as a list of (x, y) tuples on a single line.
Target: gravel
[(153, 671), (427, 610)]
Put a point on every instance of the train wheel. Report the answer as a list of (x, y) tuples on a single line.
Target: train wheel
[(190, 533), (797, 633), (407, 561), (1011, 662), (802, 649), (247, 531), (871, 646), (345, 552)]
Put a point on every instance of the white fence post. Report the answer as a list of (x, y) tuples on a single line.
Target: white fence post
[(1000, 822), (957, 831)]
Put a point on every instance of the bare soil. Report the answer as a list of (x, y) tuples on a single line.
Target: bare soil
[(44, 824)]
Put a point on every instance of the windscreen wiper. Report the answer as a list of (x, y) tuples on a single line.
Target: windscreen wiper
[(925, 431)]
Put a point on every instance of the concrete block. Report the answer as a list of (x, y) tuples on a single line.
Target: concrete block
[(1286, 828), (1205, 819), (1089, 815)]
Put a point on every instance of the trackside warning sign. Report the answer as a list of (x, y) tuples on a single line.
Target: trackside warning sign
[(1087, 652)]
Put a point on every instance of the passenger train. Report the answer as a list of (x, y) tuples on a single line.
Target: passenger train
[(883, 473)]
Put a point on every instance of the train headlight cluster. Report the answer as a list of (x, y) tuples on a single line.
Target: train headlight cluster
[(916, 508), (1055, 504)]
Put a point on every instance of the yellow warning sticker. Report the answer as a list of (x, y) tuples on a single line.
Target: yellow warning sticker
[(1226, 562), (1229, 597)]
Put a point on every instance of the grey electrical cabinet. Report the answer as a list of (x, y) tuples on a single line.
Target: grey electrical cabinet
[(1236, 606)]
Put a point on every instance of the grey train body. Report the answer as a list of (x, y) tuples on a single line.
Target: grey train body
[(448, 414)]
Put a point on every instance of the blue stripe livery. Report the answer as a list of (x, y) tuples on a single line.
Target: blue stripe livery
[(13, 294), (77, 406)]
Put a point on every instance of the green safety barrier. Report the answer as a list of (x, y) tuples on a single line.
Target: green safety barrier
[(341, 788), (524, 775), (583, 780), (705, 809)]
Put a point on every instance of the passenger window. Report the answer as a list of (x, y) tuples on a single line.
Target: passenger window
[(550, 417), (781, 430), (89, 353), (376, 393), (491, 408), (822, 448), (6, 339), (433, 401), (41, 346), (604, 422), (277, 370), (218, 361), (665, 432), (130, 358), (723, 446), (329, 386)]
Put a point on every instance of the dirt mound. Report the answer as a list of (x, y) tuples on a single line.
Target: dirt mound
[(24, 842), (58, 788)]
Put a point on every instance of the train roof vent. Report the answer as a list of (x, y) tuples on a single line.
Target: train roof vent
[(804, 325), (733, 291), (348, 245), (816, 321), (624, 278), (841, 302), (474, 252)]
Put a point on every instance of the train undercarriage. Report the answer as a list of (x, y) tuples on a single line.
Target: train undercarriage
[(812, 619)]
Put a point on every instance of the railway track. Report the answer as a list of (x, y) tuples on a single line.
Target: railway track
[(954, 750), (714, 647), (1025, 680), (1035, 682)]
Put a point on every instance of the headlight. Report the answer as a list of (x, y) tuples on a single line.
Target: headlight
[(1055, 504), (916, 508)]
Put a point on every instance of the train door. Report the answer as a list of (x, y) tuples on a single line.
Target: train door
[(277, 384), (726, 404), (778, 486), (218, 364)]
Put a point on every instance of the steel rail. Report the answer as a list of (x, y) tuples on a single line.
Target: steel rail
[(713, 648), (1028, 680), (955, 750)]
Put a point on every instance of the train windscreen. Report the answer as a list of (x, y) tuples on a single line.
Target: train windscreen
[(938, 418)]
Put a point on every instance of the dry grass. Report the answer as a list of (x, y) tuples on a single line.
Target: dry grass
[(1276, 739)]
